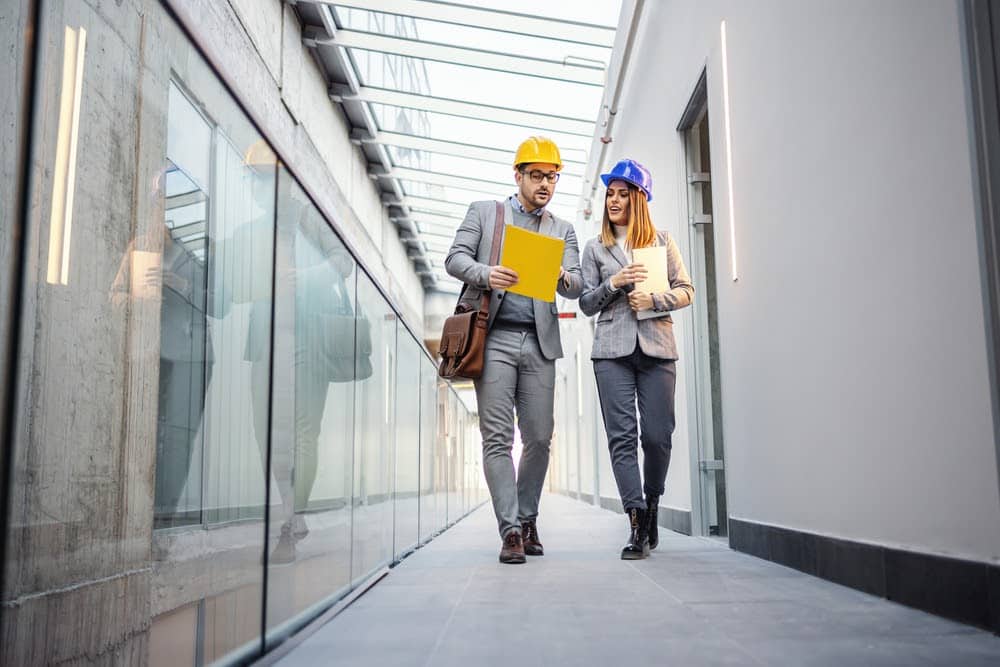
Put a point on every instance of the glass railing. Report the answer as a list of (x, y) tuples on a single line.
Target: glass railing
[(223, 425)]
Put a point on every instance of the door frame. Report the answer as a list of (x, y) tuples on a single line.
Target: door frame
[(982, 82), (700, 402)]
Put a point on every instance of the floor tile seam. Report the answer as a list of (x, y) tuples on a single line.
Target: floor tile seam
[(693, 612), (447, 624)]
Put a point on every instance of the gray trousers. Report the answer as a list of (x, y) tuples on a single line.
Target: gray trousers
[(620, 382), (516, 376)]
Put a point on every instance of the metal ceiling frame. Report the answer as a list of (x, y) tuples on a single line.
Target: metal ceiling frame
[(538, 121), (455, 149), (416, 215), (573, 32)]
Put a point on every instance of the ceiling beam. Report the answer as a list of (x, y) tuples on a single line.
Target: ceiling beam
[(439, 206), (491, 19), (498, 188), (441, 105), (451, 221), (431, 229), (457, 149)]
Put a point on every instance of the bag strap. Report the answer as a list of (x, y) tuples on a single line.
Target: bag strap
[(484, 303)]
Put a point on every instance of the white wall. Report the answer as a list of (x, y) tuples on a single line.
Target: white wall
[(854, 370)]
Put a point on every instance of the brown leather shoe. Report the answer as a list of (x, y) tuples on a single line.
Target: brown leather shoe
[(532, 545), (513, 549)]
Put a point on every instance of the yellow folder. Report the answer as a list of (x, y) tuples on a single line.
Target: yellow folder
[(536, 258)]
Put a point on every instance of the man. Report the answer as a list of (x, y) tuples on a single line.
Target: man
[(521, 346)]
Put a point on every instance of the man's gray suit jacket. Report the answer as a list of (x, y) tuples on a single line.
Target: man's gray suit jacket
[(469, 256), (617, 328)]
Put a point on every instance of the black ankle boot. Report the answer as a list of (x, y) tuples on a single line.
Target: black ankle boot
[(653, 529), (638, 539)]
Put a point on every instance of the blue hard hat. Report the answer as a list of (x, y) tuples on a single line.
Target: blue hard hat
[(630, 171)]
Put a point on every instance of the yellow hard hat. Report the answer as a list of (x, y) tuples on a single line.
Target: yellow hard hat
[(538, 149)]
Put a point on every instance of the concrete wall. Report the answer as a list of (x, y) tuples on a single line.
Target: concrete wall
[(854, 369), (79, 459)]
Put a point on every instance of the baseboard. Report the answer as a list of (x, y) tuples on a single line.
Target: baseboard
[(962, 590), (612, 504), (674, 519), (670, 518)]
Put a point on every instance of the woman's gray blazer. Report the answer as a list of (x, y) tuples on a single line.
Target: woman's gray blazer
[(617, 327)]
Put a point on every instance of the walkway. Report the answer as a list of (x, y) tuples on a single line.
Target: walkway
[(694, 602)]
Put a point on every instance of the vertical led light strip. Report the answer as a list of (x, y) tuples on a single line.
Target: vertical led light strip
[(729, 149), (64, 172), (388, 379)]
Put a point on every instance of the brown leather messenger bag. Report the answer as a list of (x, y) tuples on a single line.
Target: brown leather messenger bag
[(463, 339)]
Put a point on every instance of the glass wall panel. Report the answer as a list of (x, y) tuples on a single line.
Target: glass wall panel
[(373, 442), (442, 446), (407, 461), (215, 337), (181, 425), (454, 457), (429, 523), (312, 415)]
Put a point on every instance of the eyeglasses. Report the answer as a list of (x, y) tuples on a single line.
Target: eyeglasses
[(537, 176)]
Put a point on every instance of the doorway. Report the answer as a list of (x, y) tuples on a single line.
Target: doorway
[(983, 40), (711, 509)]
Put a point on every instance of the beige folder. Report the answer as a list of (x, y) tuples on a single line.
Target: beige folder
[(657, 276)]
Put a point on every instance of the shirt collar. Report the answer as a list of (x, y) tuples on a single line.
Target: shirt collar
[(517, 206)]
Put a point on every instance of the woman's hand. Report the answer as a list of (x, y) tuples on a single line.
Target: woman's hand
[(633, 273), (640, 300)]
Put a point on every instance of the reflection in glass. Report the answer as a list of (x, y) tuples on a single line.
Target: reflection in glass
[(243, 227), (442, 456), (213, 278), (429, 522), (185, 349), (407, 460), (313, 408)]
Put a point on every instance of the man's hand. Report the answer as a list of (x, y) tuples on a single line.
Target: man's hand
[(563, 276), (501, 277), (633, 273), (640, 300)]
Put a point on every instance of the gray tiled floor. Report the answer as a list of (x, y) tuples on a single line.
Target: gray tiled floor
[(694, 602)]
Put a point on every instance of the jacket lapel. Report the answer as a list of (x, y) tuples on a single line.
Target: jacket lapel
[(619, 254), (545, 225)]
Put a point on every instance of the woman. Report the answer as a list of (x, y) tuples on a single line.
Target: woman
[(634, 351)]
